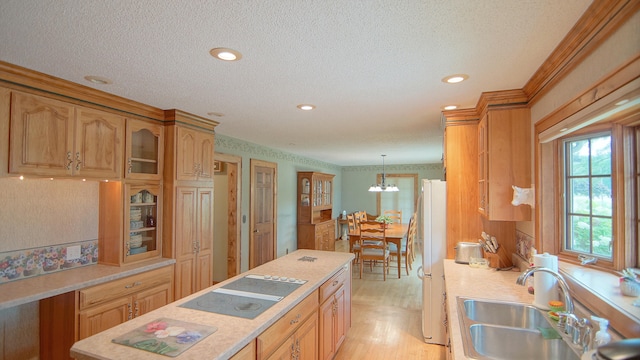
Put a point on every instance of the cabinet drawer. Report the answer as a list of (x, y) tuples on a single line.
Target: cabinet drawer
[(118, 288), (271, 338), (330, 286)]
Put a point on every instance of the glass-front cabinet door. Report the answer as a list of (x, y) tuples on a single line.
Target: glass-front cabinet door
[(142, 228), (145, 150)]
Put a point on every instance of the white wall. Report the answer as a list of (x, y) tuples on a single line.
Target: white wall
[(357, 179), (288, 167)]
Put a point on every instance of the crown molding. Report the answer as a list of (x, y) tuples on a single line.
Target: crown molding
[(20, 78), (597, 23)]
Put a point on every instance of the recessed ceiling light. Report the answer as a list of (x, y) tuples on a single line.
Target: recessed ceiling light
[(216, 114), (454, 79), (450, 107), (306, 107), (97, 80), (225, 54)]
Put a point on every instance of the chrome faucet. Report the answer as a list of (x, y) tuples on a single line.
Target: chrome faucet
[(563, 284), (579, 330)]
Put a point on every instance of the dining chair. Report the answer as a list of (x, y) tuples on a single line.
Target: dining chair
[(352, 227), (373, 246), (395, 215), (407, 250)]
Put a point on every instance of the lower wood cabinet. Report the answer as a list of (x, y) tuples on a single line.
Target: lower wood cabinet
[(335, 310), (294, 336), (247, 353), (302, 345), (321, 236), (67, 318)]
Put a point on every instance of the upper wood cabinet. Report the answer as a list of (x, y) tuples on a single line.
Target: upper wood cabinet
[(504, 159), (130, 222), (144, 150), (54, 138), (315, 197), (316, 228), (194, 154), (461, 149)]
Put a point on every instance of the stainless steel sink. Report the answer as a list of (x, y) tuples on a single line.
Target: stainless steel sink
[(501, 342), (507, 330), (504, 313)]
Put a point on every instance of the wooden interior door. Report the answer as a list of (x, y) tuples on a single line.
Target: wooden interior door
[(262, 225), (231, 166)]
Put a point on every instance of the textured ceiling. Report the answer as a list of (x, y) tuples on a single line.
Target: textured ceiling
[(372, 68)]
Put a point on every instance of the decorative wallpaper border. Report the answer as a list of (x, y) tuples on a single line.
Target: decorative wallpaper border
[(229, 143), (392, 168), (22, 264)]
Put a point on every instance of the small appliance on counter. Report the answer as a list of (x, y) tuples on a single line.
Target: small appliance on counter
[(467, 250)]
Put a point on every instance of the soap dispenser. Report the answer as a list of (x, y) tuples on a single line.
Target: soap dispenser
[(602, 336)]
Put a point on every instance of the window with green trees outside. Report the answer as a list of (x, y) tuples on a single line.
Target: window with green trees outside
[(588, 195)]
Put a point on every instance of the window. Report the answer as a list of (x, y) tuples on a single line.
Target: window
[(588, 202), (404, 200)]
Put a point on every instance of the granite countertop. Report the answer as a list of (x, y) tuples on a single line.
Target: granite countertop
[(41, 287), (233, 333), (463, 280)]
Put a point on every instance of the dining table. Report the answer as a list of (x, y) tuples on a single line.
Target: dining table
[(395, 233)]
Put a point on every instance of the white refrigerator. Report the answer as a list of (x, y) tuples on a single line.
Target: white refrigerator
[(431, 223)]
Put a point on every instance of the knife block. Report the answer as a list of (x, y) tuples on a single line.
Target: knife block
[(499, 259)]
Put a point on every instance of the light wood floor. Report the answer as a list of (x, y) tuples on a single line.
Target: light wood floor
[(386, 316)]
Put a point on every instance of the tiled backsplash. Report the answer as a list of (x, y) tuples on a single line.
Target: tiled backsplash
[(22, 264), (524, 243)]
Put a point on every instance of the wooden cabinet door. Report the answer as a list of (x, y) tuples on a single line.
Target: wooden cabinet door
[(508, 162), (151, 299), (185, 240), (482, 167), (327, 236), (341, 325), (186, 154), (204, 236), (306, 342), (247, 353), (194, 155), (205, 147), (326, 343), (41, 136), (285, 351), (103, 317), (144, 150), (99, 140)]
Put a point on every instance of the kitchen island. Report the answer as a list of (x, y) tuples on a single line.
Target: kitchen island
[(232, 333)]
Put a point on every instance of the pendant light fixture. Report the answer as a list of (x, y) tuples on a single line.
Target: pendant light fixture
[(383, 186)]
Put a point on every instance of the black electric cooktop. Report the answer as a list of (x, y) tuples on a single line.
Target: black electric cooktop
[(246, 297)]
